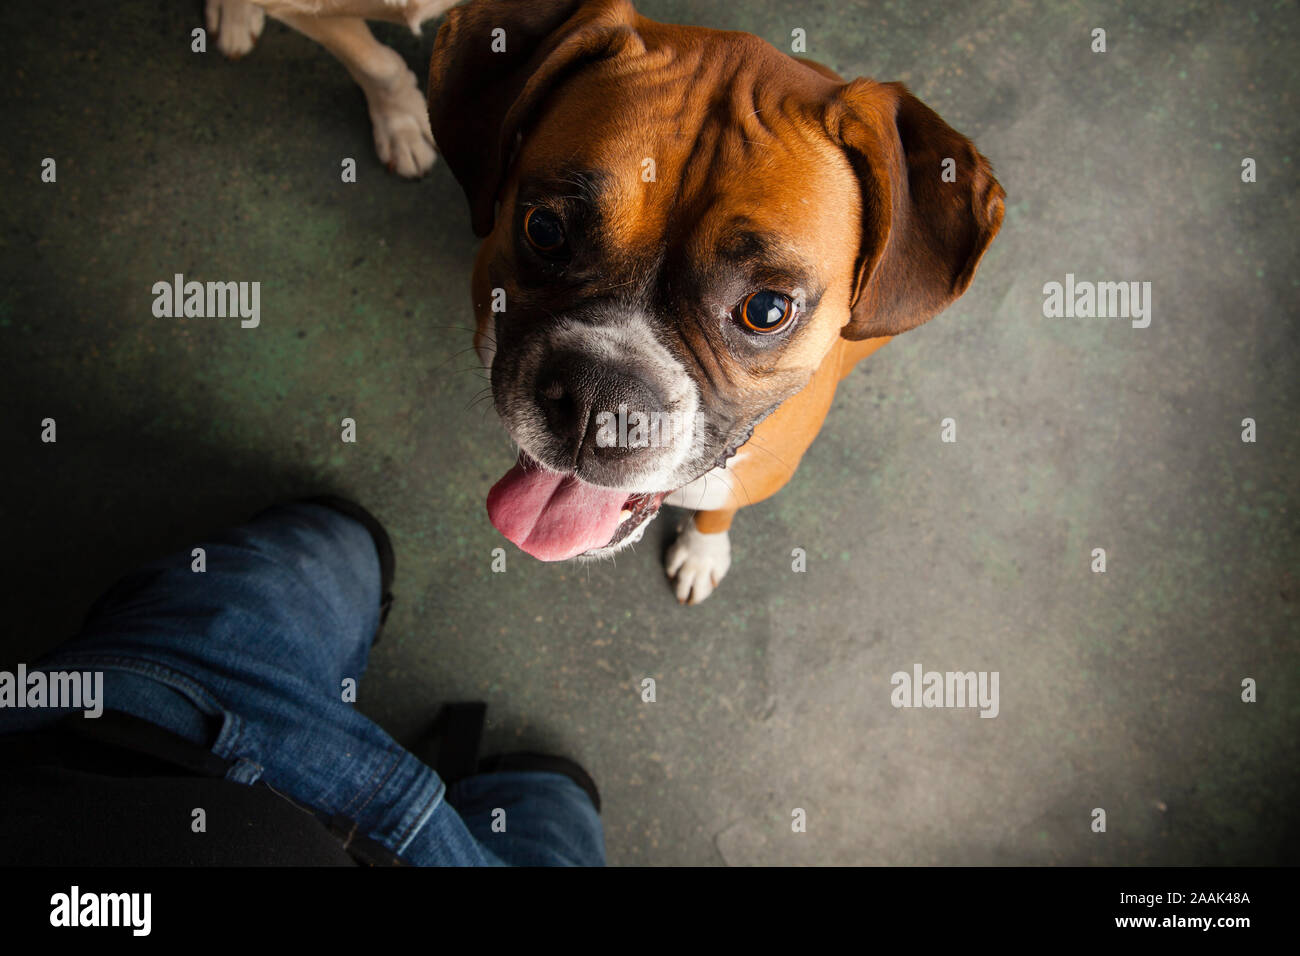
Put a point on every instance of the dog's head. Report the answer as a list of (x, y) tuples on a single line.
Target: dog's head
[(679, 223)]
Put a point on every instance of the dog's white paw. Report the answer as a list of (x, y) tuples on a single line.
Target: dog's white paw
[(399, 114), (236, 23), (697, 562)]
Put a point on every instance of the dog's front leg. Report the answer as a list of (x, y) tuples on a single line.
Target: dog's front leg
[(701, 556), (236, 24), (398, 111)]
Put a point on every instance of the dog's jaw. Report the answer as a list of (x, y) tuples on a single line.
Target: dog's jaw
[(601, 554)]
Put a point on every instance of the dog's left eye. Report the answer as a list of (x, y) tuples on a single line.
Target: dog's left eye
[(544, 231), (765, 311)]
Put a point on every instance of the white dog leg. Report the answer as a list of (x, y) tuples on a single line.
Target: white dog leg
[(697, 562), (398, 111), (236, 24)]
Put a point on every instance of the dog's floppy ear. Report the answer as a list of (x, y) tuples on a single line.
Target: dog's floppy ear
[(493, 63), (930, 207)]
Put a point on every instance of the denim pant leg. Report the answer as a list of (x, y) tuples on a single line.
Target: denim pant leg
[(249, 657), (531, 818)]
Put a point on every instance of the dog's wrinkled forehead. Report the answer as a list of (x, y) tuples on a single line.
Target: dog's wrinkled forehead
[(663, 144)]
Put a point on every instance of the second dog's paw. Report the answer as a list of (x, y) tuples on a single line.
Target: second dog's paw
[(237, 25), (697, 562), (399, 114)]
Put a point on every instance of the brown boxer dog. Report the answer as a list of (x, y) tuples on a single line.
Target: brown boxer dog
[(690, 238)]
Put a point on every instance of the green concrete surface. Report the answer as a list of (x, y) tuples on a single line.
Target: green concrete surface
[(1118, 690)]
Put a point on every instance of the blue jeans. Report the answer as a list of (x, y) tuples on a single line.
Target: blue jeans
[(249, 658)]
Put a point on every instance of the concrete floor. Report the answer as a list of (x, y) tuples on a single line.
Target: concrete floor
[(1118, 690)]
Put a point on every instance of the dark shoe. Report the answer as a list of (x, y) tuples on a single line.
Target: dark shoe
[(451, 748), (543, 763)]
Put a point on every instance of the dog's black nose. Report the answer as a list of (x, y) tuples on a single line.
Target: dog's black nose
[(560, 401), (587, 407)]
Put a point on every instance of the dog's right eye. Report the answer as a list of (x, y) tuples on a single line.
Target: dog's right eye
[(766, 312), (544, 231)]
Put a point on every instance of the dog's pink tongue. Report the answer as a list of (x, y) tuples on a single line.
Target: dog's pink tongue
[(553, 516)]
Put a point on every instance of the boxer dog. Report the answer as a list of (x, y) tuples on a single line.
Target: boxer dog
[(682, 224)]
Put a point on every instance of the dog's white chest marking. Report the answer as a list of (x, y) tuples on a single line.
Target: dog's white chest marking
[(709, 492)]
